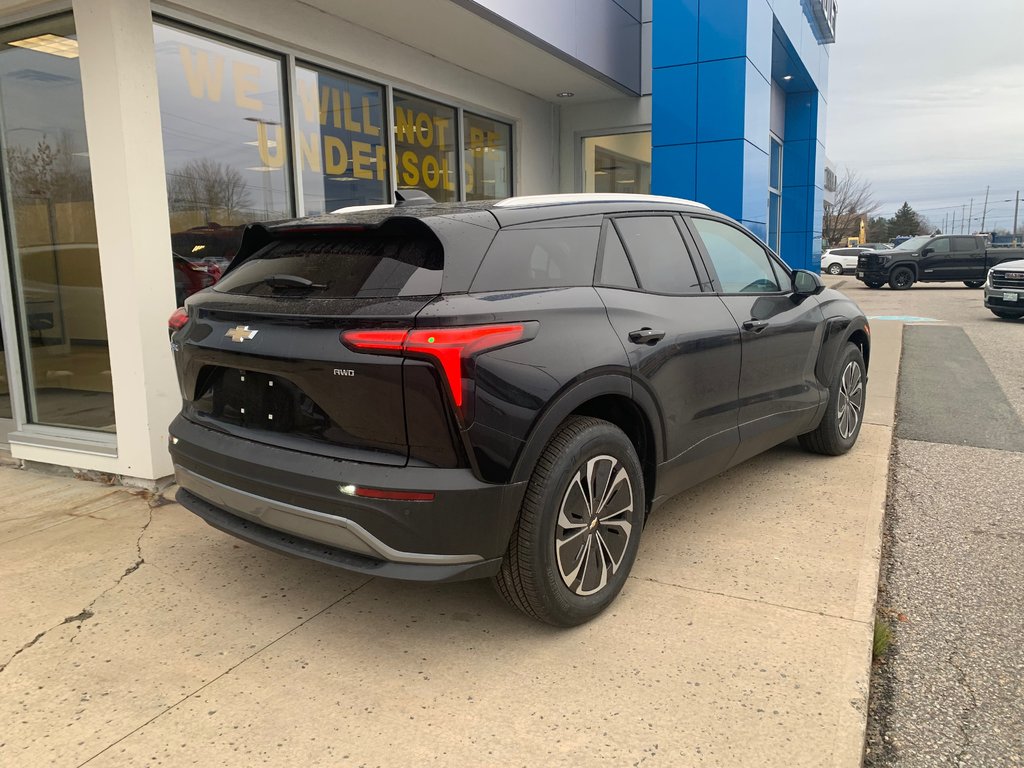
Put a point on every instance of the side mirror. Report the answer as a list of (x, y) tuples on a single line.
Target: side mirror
[(927, 252), (807, 283)]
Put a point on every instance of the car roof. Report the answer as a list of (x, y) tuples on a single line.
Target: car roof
[(507, 212)]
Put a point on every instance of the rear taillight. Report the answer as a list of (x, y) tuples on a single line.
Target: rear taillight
[(178, 319), (446, 347)]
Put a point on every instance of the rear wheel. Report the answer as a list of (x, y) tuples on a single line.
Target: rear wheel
[(901, 279), (1007, 315), (579, 529), (835, 269), (974, 283), (840, 426)]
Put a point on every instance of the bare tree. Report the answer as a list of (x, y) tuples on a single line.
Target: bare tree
[(206, 185), (49, 171), (853, 200)]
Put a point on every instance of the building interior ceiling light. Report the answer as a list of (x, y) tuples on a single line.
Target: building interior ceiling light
[(64, 47)]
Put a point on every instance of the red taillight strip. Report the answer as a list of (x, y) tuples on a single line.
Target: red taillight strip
[(445, 346), (376, 493), (178, 319)]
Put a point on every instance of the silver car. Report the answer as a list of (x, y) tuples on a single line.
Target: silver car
[(1004, 290)]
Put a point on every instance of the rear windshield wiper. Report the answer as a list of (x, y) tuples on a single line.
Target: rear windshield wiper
[(292, 281)]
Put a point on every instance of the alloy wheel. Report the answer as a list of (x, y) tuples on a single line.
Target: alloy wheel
[(593, 529), (851, 400)]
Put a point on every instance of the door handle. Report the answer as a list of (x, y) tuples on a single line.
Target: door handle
[(755, 325), (646, 336)]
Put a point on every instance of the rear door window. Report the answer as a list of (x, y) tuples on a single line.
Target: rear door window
[(615, 270), (658, 254), (965, 244), (397, 260), (543, 257)]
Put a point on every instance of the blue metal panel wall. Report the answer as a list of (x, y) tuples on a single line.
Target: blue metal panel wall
[(602, 35), (712, 108)]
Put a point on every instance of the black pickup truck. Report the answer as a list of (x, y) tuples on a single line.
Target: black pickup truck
[(933, 259)]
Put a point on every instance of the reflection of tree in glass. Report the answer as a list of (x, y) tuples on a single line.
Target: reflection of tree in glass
[(207, 185), (48, 171)]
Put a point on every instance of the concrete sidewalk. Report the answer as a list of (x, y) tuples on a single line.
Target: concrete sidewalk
[(130, 633)]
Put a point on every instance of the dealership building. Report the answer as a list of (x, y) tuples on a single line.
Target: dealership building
[(139, 138)]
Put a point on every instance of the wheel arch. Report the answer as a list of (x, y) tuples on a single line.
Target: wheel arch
[(614, 399)]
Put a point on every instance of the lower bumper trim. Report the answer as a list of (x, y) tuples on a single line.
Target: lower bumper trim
[(274, 540)]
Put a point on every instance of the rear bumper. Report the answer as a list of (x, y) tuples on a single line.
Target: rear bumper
[(291, 502)]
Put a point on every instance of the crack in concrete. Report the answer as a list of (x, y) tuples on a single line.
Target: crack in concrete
[(88, 612), (962, 721), (229, 670)]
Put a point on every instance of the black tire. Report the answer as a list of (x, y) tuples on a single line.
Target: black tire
[(837, 433), (974, 283), (901, 279), (874, 286), (1007, 315), (835, 269), (536, 573)]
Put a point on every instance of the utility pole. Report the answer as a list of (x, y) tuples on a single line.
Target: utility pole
[(963, 212), (952, 230), (984, 212), (1016, 209), (970, 217), (945, 220)]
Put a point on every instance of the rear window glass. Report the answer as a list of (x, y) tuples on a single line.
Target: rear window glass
[(522, 259), (392, 261)]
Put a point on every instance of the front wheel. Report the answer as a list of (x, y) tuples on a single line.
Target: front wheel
[(974, 283), (835, 269), (901, 279), (840, 426), (1007, 315), (578, 532)]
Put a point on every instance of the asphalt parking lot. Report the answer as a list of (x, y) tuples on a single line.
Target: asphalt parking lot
[(951, 689), (132, 633)]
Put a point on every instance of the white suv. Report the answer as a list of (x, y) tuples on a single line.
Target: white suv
[(841, 260)]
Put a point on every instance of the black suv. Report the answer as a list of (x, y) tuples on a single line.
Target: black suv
[(506, 390)]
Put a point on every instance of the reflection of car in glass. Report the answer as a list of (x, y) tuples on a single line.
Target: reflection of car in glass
[(192, 275), (501, 390), (1004, 290), (838, 261), (212, 243)]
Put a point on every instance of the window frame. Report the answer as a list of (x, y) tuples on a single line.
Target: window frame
[(294, 56), (773, 260)]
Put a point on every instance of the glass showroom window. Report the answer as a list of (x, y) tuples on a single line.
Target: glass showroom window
[(425, 140), (487, 158), (342, 140), (775, 195), (225, 148), (51, 228), (617, 163)]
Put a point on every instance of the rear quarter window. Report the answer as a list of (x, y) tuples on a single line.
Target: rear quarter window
[(524, 259)]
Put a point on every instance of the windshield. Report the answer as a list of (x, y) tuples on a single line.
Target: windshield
[(913, 244)]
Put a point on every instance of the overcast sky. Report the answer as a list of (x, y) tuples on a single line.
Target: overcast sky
[(927, 103)]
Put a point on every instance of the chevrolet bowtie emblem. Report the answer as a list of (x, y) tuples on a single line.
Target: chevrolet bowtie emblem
[(241, 333)]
